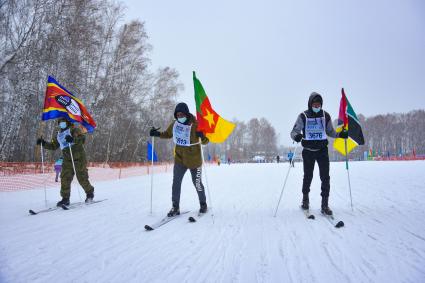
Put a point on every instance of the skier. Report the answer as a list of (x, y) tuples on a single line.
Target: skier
[(187, 154), (277, 158), (67, 136), (290, 157), (58, 167), (313, 126)]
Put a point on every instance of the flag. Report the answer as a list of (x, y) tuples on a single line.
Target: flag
[(215, 128), (149, 149), (59, 102), (348, 120)]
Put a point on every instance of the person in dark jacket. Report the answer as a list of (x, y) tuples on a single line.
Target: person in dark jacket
[(70, 136), (187, 154), (312, 128)]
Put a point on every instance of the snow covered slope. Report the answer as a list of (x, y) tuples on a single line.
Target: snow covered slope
[(383, 239)]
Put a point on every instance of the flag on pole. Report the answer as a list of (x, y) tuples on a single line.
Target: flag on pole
[(348, 120), (59, 102), (215, 128), (149, 153)]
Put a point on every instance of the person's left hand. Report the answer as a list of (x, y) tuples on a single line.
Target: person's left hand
[(69, 139), (200, 134), (343, 134)]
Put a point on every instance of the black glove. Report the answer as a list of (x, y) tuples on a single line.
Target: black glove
[(41, 141), (200, 135), (154, 132), (298, 137), (343, 134), (69, 139)]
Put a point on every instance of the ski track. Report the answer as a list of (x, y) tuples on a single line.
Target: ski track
[(383, 239)]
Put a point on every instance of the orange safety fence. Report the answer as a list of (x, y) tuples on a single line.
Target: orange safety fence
[(16, 176)]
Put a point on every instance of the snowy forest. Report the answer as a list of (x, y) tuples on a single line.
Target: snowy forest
[(104, 61)]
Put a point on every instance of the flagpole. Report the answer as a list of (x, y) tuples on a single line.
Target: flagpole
[(152, 152), (73, 166), (206, 180), (286, 178), (42, 170), (348, 172)]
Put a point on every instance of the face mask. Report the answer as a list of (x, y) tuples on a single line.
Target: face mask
[(316, 110), (62, 125), (182, 120)]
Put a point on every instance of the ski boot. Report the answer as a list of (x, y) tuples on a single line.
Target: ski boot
[(175, 210), (325, 207), (89, 197), (203, 208), (64, 201), (305, 203)]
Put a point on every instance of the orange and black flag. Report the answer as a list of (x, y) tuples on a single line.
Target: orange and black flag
[(215, 128)]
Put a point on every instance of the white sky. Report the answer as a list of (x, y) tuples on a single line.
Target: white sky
[(264, 58)]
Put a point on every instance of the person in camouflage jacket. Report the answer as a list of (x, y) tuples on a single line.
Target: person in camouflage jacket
[(69, 135), (187, 154)]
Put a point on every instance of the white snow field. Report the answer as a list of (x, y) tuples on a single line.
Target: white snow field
[(383, 239)]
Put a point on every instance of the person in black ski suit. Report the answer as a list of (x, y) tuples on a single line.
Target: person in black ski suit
[(312, 128)]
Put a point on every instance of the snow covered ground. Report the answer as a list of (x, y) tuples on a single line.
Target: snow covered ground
[(383, 239)]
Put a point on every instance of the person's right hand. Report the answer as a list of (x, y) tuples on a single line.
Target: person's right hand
[(154, 132), (41, 141), (298, 137)]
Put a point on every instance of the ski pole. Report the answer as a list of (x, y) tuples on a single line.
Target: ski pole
[(73, 166), (152, 152), (206, 181), (286, 178)]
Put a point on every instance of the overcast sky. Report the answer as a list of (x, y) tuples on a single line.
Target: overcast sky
[(264, 58)]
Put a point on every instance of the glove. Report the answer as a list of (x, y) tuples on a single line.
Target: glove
[(69, 139), (298, 137), (154, 132), (343, 134), (41, 141), (200, 135)]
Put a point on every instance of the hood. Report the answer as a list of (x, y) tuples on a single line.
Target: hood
[(182, 107), (313, 96)]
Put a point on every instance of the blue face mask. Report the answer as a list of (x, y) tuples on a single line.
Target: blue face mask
[(316, 110), (62, 125), (182, 120)]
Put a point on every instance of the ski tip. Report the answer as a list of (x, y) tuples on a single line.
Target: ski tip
[(312, 217), (64, 207), (339, 224), (32, 212), (191, 219), (148, 228)]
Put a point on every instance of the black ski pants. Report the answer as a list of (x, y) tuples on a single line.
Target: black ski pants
[(309, 159), (179, 171)]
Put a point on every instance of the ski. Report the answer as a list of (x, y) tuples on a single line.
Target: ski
[(163, 221), (35, 212), (333, 221), (79, 204), (192, 219), (307, 214)]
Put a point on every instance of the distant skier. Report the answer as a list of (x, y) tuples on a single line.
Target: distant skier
[(277, 158), (58, 167), (187, 154), (313, 126), (290, 157), (68, 135)]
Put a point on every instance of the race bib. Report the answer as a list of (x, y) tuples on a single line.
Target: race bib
[(181, 134), (61, 138), (315, 129)]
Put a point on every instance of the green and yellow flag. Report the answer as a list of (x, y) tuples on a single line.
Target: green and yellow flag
[(215, 128), (348, 120)]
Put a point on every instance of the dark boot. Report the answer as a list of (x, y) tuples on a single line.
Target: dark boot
[(89, 198), (175, 210), (306, 202), (203, 208), (64, 201), (325, 207)]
